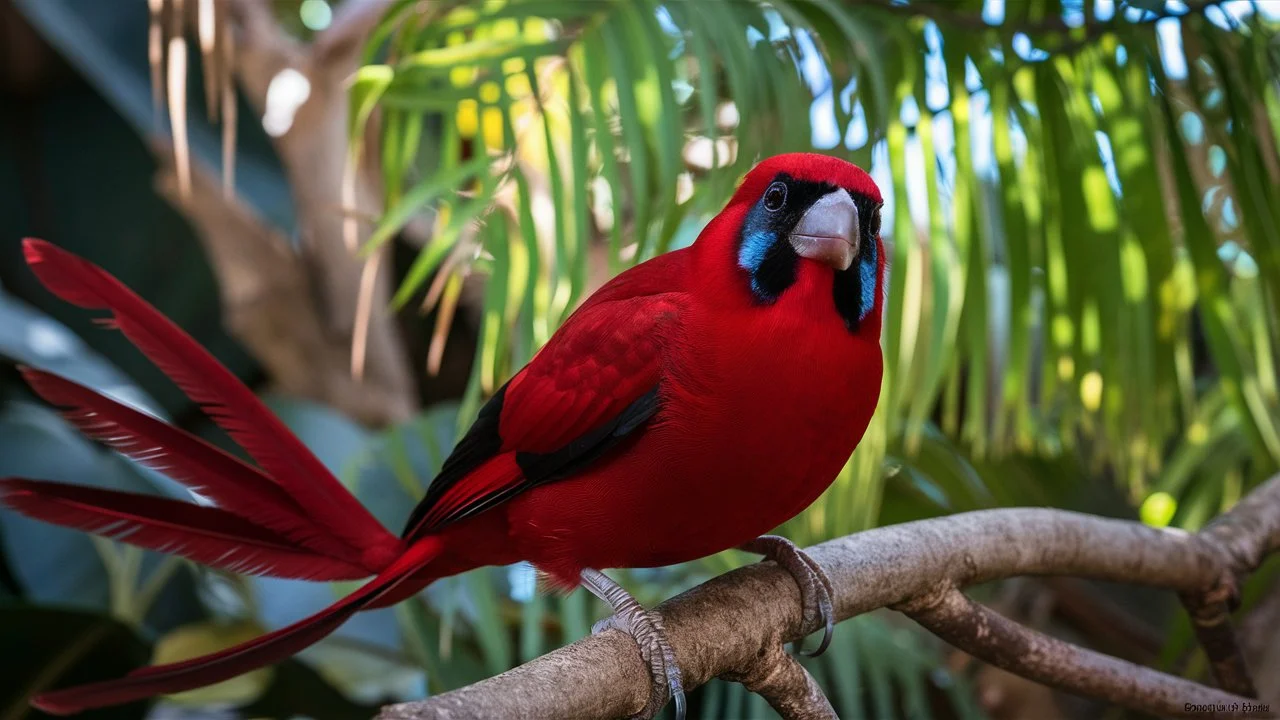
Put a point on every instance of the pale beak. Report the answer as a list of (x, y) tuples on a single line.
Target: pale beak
[(828, 232)]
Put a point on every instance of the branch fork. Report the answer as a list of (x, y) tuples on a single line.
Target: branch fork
[(734, 626)]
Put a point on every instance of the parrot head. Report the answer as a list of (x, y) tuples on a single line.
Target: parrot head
[(803, 209)]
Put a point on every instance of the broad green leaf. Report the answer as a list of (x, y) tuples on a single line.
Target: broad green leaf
[(204, 638)]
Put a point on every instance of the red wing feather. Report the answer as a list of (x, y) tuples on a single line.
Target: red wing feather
[(602, 360), (602, 366), (229, 482), (227, 401), (208, 535), (487, 481)]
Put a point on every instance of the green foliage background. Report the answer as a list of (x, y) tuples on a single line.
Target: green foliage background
[(1082, 312)]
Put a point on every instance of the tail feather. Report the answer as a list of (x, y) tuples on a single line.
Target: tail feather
[(208, 535), (227, 401), (229, 482), (265, 650)]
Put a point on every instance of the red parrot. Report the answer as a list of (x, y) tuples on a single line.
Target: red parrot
[(691, 404)]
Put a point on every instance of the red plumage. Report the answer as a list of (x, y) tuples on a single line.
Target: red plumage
[(208, 535), (678, 412), (224, 398), (229, 482)]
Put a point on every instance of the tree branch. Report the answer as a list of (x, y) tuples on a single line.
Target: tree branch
[(1257, 634), (779, 678), (297, 310), (723, 627), (987, 635), (1211, 620), (268, 299)]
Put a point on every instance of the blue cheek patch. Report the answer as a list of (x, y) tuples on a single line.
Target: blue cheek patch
[(755, 245), (867, 266)]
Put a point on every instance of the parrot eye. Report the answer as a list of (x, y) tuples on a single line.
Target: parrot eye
[(775, 196), (873, 223)]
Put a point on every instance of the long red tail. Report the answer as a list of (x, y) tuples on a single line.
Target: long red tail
[(225, 399), (229, 482), (209, 535), (265, 650), (291, 518)]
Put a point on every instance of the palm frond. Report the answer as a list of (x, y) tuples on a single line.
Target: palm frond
[(1080, 202)]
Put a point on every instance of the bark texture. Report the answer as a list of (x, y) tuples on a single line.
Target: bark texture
[(734, 625)]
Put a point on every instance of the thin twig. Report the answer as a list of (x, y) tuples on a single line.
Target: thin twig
[(210, 63), (177, 96), (987, 635), (228, 106), (1100, 618), (364, 311), (155, 56), (1212, 624)]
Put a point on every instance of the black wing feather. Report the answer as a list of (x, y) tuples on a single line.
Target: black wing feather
[(480, 443), (483, 441)]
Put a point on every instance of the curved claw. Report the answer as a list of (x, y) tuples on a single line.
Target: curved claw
[(646, 629), (816, 592), (825, 605)]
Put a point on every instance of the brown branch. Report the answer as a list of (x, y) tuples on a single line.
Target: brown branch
[(1099, 618), (721, 628), (985, 634), (296, 311), (342, 41), (268, 298), (1249, 532), (780, 679), (1211, 620), (1258, 634), (1243, 538)]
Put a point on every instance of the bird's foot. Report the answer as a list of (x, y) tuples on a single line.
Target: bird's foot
[(646, 628), (815, 587)]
